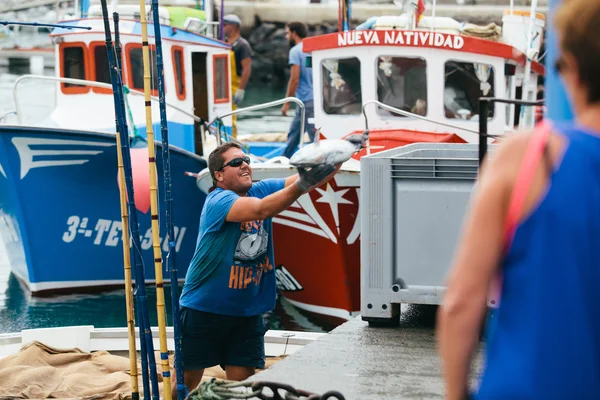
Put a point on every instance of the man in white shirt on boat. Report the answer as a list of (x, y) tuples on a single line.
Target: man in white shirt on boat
[(300, 85)]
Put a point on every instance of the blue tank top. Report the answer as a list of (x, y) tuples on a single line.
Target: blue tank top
[(545, 341)]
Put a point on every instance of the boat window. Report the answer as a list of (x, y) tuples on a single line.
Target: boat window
[(341, 86), (73, 65), (136, 67), (402, 84), (177, 54), (464, 84), (220, 78), (99, 70)]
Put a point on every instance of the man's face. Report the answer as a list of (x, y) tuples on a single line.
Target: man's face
[(289, 35), (235, 178), (229, 29)]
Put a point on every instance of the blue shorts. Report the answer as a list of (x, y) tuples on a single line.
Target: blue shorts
[(212, 339)]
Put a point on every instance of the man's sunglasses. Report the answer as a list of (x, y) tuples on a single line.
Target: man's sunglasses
[(236, 162)]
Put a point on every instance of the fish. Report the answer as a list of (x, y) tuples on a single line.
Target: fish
[(329, 151)]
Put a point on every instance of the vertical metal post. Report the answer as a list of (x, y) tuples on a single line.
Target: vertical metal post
[(483, 131)]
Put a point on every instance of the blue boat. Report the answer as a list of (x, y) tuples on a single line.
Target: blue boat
[(60, 216)]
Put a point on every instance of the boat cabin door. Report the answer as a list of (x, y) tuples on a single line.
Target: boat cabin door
[(200, 93), (219, 86), (212, 91)]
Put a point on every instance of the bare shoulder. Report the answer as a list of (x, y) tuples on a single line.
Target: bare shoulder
[(506, 159), (502, 164)]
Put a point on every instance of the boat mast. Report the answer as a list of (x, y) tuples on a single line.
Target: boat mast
[(344, 15), (526, 119)]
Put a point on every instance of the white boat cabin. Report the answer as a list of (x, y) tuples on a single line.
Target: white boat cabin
[(436, 73), (196, 72)]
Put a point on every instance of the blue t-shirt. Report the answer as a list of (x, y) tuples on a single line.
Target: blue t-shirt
[(232, 271), (305, 86)]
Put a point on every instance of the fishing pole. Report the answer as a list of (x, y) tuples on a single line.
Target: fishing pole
[(170, 258), (140, 291), (6, 23), (135, 395), (160, 292), (121, 124)]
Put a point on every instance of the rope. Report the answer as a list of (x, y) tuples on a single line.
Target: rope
[(130, 114), (221, 390)]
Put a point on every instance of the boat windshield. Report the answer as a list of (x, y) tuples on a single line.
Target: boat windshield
[(464, 84), (341, 86), (402, 83)]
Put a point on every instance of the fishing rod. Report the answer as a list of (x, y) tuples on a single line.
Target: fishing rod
[(160, 292), (6, 23), (147, 345), (135, 395), (143, 350), (170, 258)]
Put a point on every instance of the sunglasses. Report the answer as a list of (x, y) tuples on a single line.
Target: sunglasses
[(236, 162)]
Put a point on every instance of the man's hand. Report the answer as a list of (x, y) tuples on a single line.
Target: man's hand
[(238, 96), (284, 109), (314, 176)]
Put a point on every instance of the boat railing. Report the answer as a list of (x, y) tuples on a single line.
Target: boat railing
[(83, 82), (409, 114), (261, 107), (2, 118), (484, 104)]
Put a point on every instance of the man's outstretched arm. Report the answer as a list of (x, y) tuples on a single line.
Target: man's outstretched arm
[(252, 208)]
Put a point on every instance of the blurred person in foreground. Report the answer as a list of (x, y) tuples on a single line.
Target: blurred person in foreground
[(545, 340)]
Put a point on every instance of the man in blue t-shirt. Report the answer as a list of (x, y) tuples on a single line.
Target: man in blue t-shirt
[(231, 279), (300, 86)]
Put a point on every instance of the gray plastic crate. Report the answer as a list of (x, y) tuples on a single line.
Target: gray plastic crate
[(413, 201)]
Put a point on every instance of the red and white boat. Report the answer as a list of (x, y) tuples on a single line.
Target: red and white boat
[(434, 72)]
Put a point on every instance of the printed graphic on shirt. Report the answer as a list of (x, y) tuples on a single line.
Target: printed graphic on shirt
[(252, 244), (250, 256)]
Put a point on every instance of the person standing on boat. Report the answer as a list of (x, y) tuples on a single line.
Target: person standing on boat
[(231, 282), (300, 85), (240, 61), (544, 338)]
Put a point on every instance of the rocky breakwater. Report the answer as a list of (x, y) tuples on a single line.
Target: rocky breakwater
[(270, 49)]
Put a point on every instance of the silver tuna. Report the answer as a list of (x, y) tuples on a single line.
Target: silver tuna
[(329, 151)]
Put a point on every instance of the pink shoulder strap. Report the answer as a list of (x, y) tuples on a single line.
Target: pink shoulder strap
[(533, 154)]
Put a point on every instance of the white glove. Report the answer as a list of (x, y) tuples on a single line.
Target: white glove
[(238, 96)]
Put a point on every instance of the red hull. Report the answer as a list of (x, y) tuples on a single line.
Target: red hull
[(318, 256)]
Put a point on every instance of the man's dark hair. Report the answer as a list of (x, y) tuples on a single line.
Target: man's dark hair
[(299, 28), (216, 160)]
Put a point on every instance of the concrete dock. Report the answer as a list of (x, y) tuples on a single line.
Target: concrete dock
[(367, 363)]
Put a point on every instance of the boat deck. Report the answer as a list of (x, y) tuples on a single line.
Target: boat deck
[(366, 363)]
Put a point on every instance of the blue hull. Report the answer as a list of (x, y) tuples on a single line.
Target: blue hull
[(60, 217)]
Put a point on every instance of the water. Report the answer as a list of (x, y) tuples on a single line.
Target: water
[(19, 310)]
